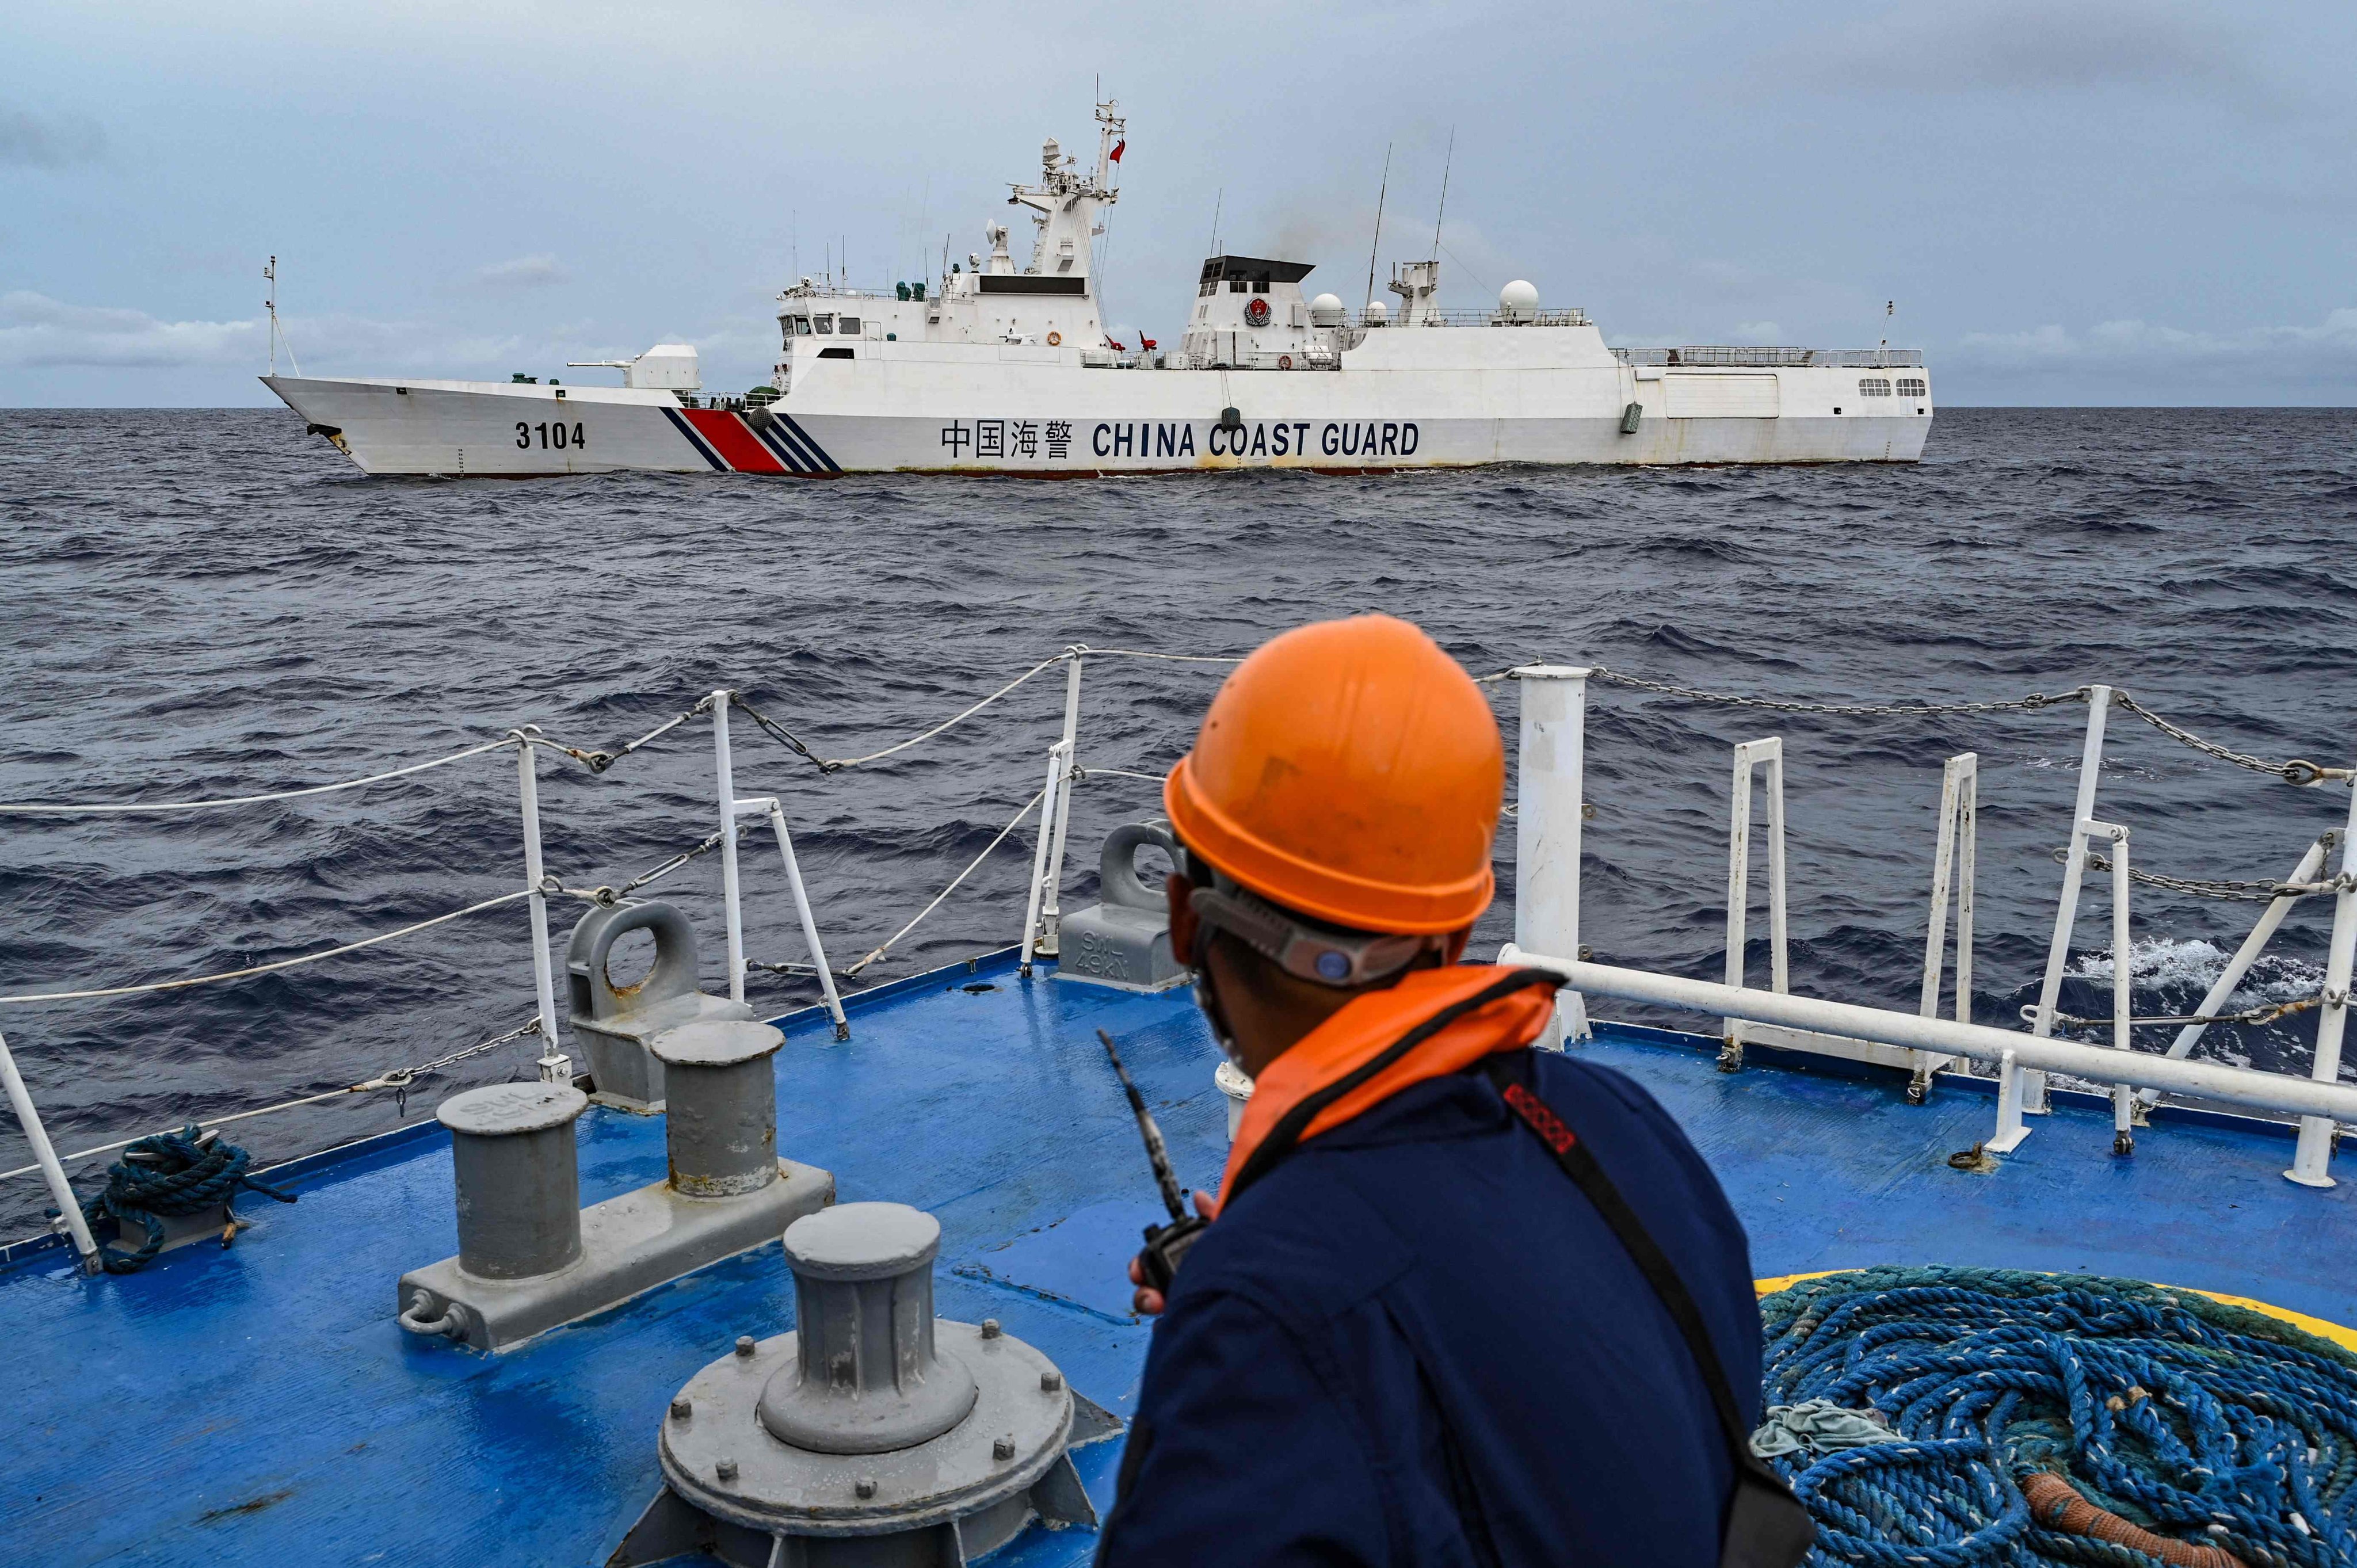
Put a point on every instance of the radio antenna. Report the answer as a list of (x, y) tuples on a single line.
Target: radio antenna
[(1444, 192), (270, 276), (1217, 204), (1381, 192), (1172, 1198)]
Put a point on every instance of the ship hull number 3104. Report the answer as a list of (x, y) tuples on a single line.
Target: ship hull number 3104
[(550, 437)]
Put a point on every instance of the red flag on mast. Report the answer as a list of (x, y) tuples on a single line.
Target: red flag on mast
[(1117, 146)]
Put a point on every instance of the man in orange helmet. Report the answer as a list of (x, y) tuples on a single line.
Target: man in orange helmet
[(1407, 1337)]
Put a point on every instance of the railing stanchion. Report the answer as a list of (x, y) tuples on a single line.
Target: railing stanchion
[(554, 1066), (20, 1099), (725, 777), (1952, 865), (2075, 868), (1058, 763), (1052, 912), (1551, 762), (2311, 1165), (810, 921), (1748, 757), (2123, 975)]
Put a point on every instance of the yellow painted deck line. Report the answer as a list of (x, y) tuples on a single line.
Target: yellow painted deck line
[(2344, 1337)]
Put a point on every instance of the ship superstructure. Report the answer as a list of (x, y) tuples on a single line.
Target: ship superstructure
[(999, 366)]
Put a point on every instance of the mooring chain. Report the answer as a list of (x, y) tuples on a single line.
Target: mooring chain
[(2267, 1015), (400, 1079), (2298, 770), (1875, 710), (2222, 888)]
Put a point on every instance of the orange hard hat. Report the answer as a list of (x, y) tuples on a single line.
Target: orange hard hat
[(1350, 771)]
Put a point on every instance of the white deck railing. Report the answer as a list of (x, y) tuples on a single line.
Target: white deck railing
[(1546, 933)]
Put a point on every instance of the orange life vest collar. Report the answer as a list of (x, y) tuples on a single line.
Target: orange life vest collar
[(1518, 1005)]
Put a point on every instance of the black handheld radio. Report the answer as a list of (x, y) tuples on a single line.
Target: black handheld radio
[(1166, 1245)]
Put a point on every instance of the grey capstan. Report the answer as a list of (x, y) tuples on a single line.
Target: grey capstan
[(876, 1433), (848, 1390)]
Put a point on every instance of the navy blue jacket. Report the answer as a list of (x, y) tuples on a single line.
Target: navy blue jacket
[(1414, 1342)]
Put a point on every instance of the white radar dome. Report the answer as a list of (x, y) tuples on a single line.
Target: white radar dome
[(1326, 310), (1377, 313), (1518, 301)]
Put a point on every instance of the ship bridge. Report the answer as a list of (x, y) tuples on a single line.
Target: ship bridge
[(1249, 315)]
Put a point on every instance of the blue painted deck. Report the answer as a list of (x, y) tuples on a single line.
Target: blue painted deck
[(259, 1405)]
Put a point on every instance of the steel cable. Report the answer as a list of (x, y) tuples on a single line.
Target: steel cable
[(36, 807), (262, 968), (395, 1079), (886, 944)]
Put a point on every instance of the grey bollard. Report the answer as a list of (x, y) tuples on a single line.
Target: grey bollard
[(529, 1259), (518, 1191), (721, 1111), (866, 1378)]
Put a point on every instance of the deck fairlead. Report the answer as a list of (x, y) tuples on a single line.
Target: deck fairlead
[(615, 1026)]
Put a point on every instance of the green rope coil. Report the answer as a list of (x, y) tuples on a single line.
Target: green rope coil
[(165, 1175)]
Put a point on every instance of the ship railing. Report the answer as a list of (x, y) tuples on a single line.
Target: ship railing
[(1738, 355), (736, 814), (1565, 317), (1550, 812)]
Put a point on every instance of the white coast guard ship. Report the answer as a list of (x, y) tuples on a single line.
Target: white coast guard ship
[(997, 367)]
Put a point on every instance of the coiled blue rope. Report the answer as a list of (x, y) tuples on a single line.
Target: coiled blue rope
[(2206, 1424), (180, 1174)]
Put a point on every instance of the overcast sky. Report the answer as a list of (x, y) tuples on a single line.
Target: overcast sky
[(2072, 201)]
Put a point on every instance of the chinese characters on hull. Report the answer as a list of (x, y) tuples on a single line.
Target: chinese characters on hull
[(1359, 440)]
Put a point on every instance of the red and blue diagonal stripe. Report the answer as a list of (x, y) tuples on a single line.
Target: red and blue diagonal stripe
[(732, 444)]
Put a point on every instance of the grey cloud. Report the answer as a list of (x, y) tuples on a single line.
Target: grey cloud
[(38, 330), (523, 272), (2171, 364), (2012, 46), (28, 141)]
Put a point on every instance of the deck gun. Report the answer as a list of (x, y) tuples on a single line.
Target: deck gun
[(1166, 1245)]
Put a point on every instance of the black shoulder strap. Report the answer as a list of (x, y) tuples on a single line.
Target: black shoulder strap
[(1580, 1165), (1766, 1525)]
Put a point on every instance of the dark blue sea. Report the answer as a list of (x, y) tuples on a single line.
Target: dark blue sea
[(205, 604)]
